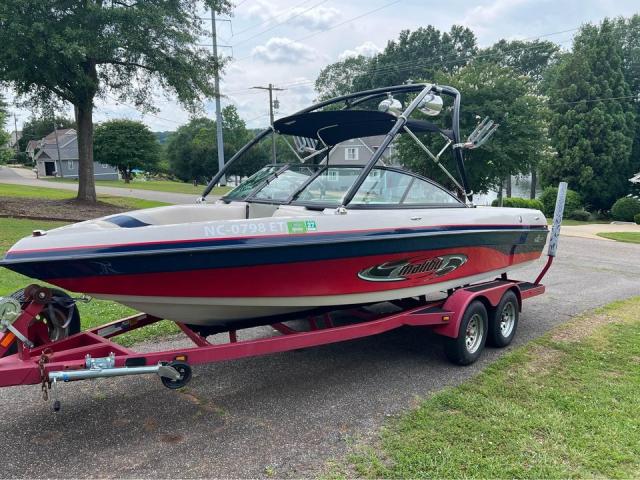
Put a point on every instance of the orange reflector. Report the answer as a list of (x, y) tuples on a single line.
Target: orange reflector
[(181, 358), (7, 339), (446, 318)]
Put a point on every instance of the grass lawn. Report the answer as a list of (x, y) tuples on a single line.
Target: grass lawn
[(157, 185), (94, 313), (563, 406), (569, 222), (24, 191), (628, 237)]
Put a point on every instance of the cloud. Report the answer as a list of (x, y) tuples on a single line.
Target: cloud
[(284, 50), (313, 18), (367, 49)]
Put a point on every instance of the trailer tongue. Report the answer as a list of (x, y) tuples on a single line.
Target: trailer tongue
[(32, 324)]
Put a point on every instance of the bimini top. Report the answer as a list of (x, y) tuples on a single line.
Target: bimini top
[(334, 126)]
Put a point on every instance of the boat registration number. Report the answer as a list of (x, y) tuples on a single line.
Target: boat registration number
[(253, 228)]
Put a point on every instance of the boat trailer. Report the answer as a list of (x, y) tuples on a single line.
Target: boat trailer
[(467, 318)]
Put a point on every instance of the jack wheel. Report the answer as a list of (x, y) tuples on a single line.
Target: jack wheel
[(56, 405), (185, 376), (504, 321)]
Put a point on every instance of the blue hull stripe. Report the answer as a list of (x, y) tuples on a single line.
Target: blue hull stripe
[(321, 248)]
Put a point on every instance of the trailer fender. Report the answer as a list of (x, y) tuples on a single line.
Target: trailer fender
[(458, 302)]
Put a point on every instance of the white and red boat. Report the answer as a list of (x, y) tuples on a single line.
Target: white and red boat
[(304, 233)]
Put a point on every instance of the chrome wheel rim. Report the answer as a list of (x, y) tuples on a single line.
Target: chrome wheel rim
[(474, 333), (507, 319)]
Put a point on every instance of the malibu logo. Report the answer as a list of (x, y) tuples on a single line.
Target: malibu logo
[(413, 268)]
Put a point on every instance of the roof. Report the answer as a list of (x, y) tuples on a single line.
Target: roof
[(335, 126)]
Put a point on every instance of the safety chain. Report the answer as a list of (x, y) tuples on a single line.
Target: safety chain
[(46, 383)]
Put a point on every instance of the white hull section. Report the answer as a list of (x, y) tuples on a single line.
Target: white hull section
[(213, 310)]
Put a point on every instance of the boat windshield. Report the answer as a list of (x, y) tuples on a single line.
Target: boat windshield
[(246, 187), (383, 186)]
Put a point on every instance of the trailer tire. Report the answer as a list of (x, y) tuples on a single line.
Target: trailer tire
[(504, 321), (472, 335), (62, 306)]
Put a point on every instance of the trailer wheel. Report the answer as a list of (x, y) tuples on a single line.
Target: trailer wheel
[(185, 376), (61, 316), (504, 321), (472, 335)]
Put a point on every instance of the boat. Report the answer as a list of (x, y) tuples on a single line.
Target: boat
[(308, 230)]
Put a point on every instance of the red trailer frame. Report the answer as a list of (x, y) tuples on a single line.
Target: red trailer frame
[(92, 354)]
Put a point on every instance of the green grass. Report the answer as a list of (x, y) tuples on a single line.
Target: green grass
[(156, 185), (569, 222), (563, 406), (24, 191), (628, 237), (96, 312)]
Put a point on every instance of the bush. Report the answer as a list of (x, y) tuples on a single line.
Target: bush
[(516, 202), (625, 209), (637, 219), (573, 201), (581, 215)]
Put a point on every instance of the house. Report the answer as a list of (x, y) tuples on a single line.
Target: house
[(358, 151), (56, 155)]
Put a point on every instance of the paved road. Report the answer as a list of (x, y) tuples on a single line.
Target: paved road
[(24, 177), (285, 414)]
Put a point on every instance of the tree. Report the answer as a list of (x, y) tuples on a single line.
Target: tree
[(531, 59), (592, 118), (500, 93), (36, 128), (338, 78), (420, 54), (192, 149), (73, 50), (127, 145), (628, 30)]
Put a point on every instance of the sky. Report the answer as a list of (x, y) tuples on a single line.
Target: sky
[(288, 42)]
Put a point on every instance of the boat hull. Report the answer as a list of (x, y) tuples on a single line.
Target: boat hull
[(214, 283)]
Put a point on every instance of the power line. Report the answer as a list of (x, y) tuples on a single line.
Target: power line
[(280, 23), (357, 17)]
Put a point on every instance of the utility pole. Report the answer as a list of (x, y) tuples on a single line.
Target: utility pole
[(271, 88), (219, 141), (55, 132), (15, 129)]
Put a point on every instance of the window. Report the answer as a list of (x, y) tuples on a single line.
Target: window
[(285, 184), (351, 153), (383, 187), (422, 192), (322, 190), (333, 175), (70, 164)]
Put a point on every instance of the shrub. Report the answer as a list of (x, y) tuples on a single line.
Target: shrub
[(637, 219), (625, 209), (581, 215), (516, 202), (572, 202)]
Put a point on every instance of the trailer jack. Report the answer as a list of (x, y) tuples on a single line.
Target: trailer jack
[(173, 375)]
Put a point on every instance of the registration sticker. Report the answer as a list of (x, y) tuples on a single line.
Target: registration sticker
[(302, 226)]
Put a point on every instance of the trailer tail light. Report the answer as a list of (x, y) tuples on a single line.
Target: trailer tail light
[(7, 339), (446, 318)]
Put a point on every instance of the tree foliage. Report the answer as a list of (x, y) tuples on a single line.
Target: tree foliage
[(192, 149), (127, 145), (504, 96), (593, 138), (73, 51)]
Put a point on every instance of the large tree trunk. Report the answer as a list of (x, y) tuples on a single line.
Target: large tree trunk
[(86, 179), (534, 183), (508, 186)]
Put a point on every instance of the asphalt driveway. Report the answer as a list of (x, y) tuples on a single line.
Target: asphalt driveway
[(21, 176), (283, 415)]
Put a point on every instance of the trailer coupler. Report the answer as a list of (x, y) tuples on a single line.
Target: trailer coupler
[(173, 375)]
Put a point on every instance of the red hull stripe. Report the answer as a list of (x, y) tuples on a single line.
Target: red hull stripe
[(309, 278)]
